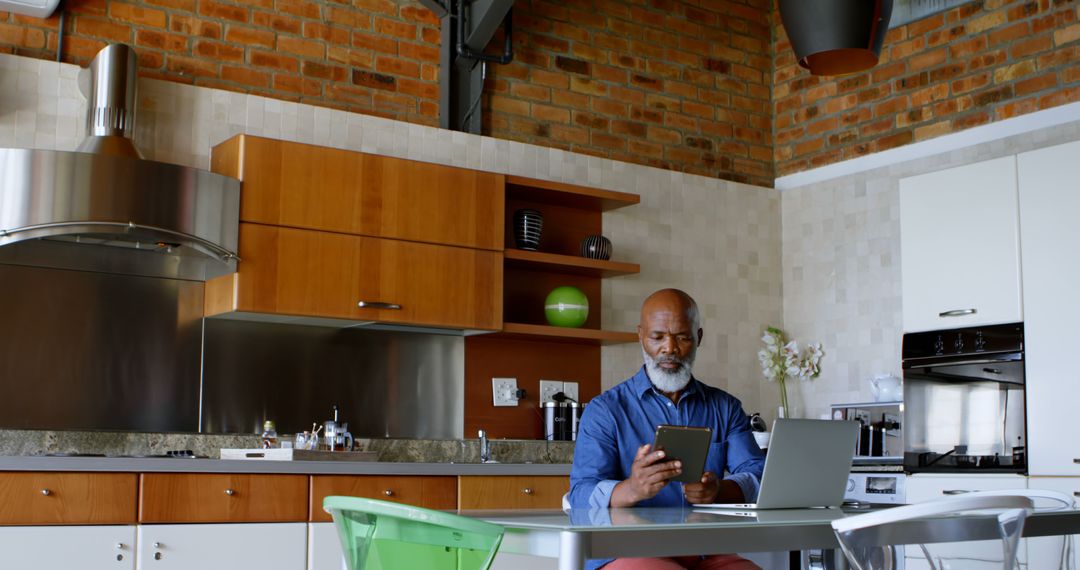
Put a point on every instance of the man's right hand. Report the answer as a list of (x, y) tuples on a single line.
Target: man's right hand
[(648, 475)]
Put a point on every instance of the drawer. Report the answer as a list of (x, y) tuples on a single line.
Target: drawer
[(192, 498), (512, 492), (32, 498), (438, 493), (922, 488)]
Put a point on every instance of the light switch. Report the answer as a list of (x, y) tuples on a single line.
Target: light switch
[(504, 391)]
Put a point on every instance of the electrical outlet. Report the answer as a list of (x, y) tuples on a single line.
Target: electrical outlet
[(504, 391), (571, 390), (549, 388)]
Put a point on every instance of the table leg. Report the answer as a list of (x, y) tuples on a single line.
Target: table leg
[(571, 551), (839, 560)]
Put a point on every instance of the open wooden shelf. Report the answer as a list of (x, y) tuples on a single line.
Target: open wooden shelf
[(522, 331), (571, 264), (568, 195)]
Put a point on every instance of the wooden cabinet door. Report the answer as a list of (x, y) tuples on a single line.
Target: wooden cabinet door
[(512, 492), (305, 186), (960, 247), (322, 274), (438, 493), (67, 547), (191, 498), (40, 497), (1049, 199), (281, 546)]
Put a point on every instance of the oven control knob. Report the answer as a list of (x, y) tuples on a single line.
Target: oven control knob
[(850, 485), (939, 345), (959, 344), (980, 341)]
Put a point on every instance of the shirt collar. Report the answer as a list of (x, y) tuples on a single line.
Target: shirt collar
[(642, 385)]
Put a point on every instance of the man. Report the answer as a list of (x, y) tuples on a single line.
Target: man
[(613, 463)]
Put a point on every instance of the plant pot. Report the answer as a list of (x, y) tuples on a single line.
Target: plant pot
[(596, 247)]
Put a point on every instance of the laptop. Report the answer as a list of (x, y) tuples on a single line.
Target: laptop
[(807, 466)]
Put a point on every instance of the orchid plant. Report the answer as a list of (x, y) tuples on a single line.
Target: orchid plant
[(781, 359)]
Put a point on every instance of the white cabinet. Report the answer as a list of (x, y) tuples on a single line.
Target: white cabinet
[(926, 487), (66, 547), (1048, 551), (1050, 235), (960, 250), (274, 546), (324, 548)]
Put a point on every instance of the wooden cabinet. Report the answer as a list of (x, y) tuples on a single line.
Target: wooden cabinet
[(1050, 235), (281, 546), (512, 492), (66, 547), (56, 498), (439, 493), (304, 186), (193, 498), (287, 271), (960, 247)]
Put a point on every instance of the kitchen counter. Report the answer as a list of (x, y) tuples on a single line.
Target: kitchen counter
[(177, 465)]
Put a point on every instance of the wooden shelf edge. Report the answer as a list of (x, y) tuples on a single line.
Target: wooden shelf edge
[(522, 331), (570, 263), (607, 199)]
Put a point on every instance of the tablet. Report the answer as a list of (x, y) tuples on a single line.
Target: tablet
[(687, 444)]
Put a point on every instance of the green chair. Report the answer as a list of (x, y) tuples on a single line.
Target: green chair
[(377, 535)]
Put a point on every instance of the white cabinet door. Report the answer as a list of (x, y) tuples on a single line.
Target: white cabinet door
[(277, 546), (1050, 234), (324, 548), (1048, 551), (66, 547), (960, 249), (926, 487)]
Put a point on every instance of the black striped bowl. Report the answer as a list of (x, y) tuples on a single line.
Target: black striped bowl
[(596, 247)]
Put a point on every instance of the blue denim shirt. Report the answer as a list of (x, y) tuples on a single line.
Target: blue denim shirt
[(620, 420)]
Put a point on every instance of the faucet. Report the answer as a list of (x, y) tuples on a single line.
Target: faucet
[(485, 448)]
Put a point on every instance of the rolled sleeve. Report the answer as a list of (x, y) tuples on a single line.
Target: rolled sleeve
[(596, 469), (748, 483)]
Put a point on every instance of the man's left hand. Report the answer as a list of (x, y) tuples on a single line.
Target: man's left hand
[(703, 492)]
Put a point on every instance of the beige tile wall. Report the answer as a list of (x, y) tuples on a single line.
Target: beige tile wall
[(718, 240)]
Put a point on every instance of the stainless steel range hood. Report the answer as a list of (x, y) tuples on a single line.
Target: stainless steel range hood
[(104, 208)]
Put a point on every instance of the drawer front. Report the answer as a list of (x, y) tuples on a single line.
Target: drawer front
[(922, 488), (31, 498), (512, 492), (189, 498), (323, 274), (305, 186), (438, 493)]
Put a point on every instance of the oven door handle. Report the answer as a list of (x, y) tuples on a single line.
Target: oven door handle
[(947, 361)]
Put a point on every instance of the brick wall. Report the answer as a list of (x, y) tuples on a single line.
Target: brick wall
[(369, 56), (660, 82), (682, 85), (980, 62)]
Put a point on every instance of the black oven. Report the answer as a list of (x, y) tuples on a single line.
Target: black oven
[(964, 400)]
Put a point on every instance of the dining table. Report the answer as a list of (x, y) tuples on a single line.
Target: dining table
[(575, 535)]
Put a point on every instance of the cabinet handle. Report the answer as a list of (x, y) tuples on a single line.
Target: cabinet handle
[(157, 545), (955, 491), (230, 492), (1076, 460), (119, 545), (388, 492), (957, 313), (527, 491), (46, 492), (157, 556), (378, 305), (1076, 493)]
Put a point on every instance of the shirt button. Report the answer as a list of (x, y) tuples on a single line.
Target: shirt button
[(669, 404)]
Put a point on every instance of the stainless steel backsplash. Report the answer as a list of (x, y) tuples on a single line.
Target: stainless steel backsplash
[(385, 383), (94, 351)]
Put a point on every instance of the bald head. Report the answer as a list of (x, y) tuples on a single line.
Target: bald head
[(670, 334)]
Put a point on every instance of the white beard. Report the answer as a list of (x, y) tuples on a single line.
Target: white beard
[(669, 382)]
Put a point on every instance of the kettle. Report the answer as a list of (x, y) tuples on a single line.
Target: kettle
[(886, 388)]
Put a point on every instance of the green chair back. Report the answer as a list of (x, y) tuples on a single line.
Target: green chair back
[(377, 535)]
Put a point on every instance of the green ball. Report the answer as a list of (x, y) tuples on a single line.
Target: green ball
[(566, 307)]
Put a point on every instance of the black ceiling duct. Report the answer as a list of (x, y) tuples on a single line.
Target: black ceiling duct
[(834, 37)]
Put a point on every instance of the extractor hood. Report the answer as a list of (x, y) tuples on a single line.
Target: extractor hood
[(105, 208)]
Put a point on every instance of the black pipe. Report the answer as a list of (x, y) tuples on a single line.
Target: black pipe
[(463, 50)]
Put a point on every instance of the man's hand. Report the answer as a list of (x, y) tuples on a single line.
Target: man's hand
[(703, 492), (648, 475)]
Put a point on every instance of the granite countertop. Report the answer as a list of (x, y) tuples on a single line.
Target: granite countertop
[(30, 450)]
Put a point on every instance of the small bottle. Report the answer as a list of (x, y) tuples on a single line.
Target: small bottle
[(269, 435)]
